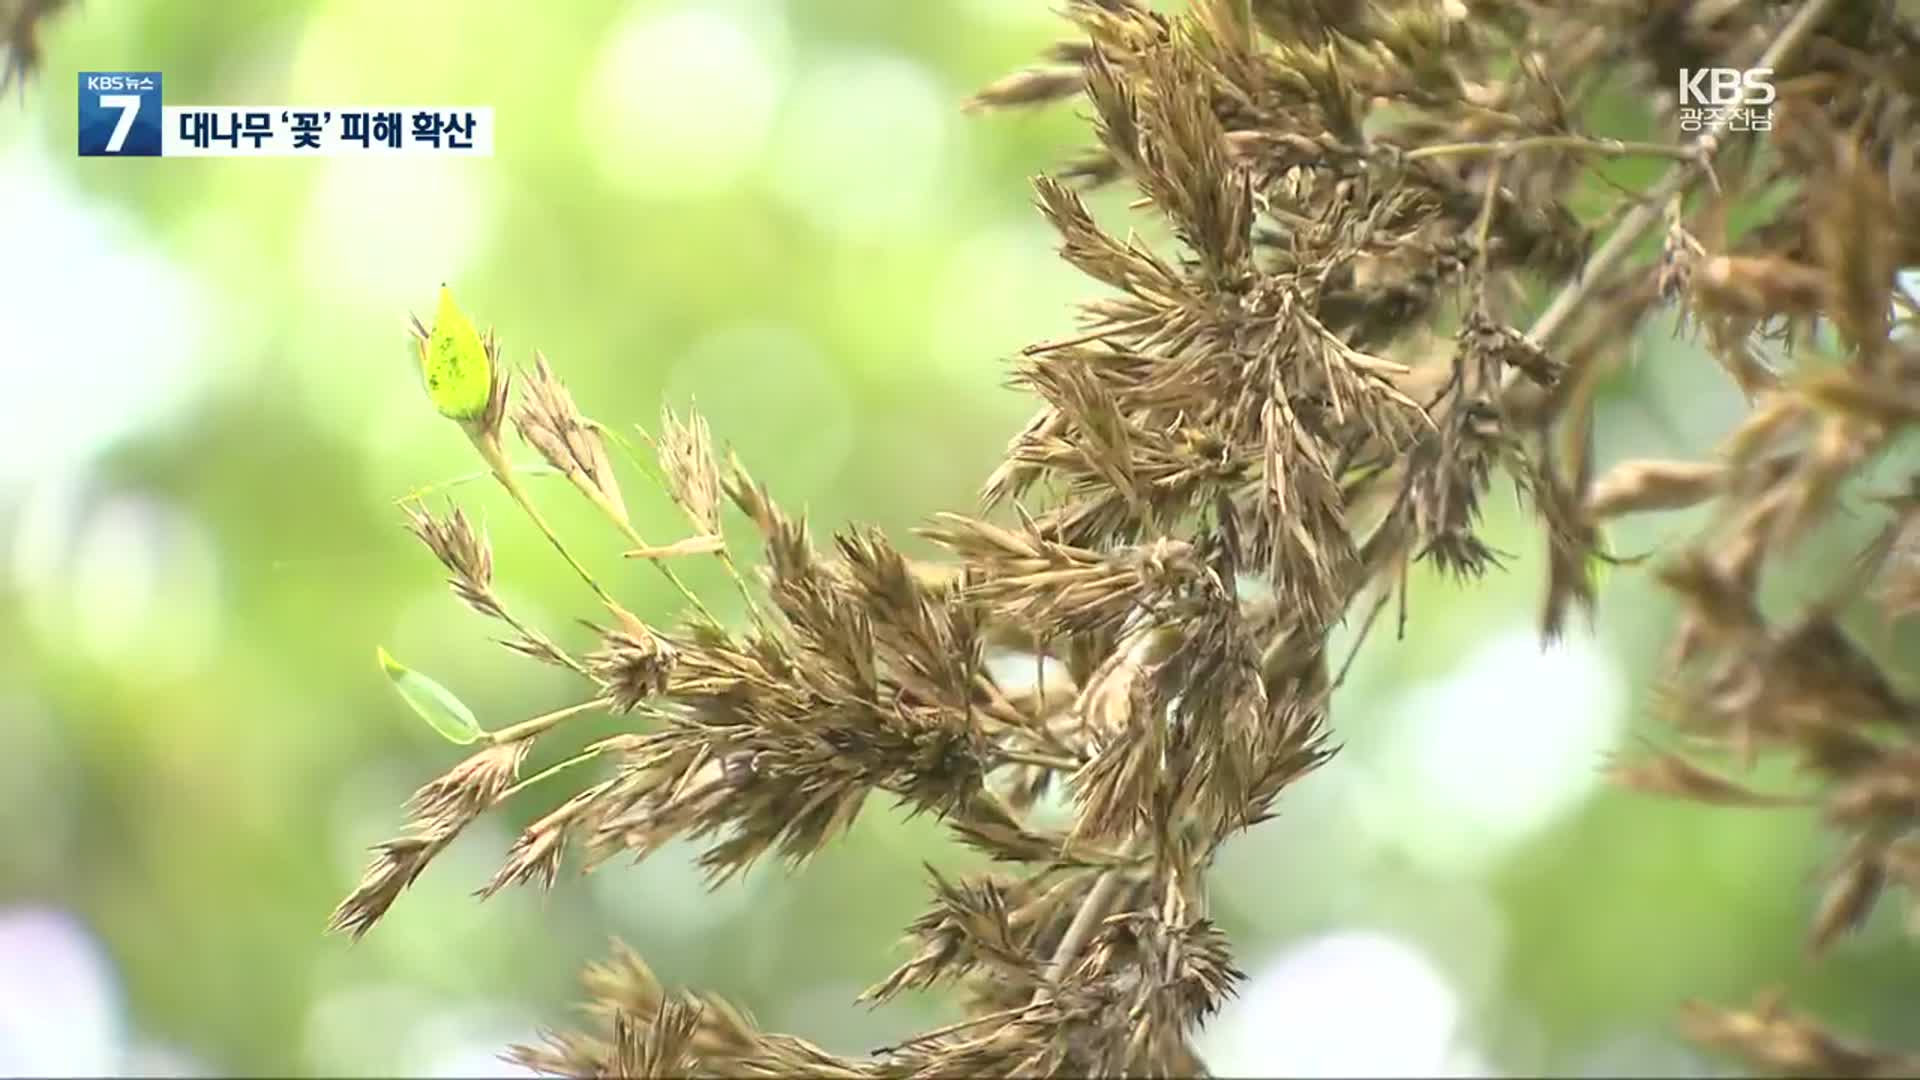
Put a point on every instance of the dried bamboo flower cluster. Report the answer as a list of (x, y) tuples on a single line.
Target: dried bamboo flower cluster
[(21, 24), (1264, 425), (549, 422), (436, 815)]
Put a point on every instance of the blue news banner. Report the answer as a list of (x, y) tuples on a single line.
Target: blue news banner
[(122, 114)]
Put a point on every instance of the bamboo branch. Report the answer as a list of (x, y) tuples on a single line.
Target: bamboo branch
[(1676, 182)]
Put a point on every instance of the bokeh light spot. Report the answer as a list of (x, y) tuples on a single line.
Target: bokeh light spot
[(59, 997), (1351, 1003), (1497, 751), (862, 146), (129, 579), (103, 334), (683, 99)]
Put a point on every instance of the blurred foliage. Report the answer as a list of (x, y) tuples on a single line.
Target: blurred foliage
[(776, 209)]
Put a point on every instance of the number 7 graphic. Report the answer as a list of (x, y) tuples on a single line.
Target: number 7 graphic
[(129, 106)]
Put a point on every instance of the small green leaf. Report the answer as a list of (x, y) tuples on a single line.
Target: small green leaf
[(436, 704), (454, 363)]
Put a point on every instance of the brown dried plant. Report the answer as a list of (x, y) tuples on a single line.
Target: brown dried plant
[(1260, 431), (21, 24)]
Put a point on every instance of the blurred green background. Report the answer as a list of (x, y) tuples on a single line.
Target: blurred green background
[(776, 209)]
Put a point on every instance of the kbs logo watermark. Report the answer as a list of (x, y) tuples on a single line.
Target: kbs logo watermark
[(1741, 100)]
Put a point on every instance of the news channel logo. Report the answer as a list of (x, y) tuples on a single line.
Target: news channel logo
[(122, 114), (1736, 99)]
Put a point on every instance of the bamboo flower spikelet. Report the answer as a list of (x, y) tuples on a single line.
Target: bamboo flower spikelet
[(1269, 420)]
